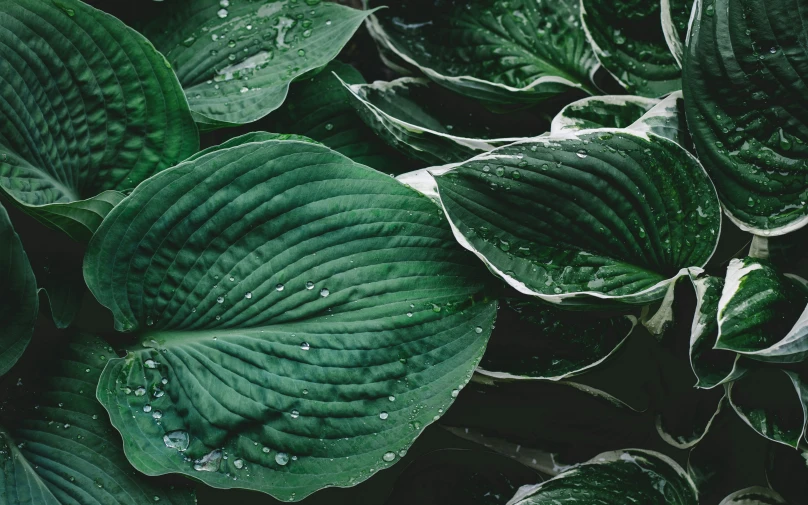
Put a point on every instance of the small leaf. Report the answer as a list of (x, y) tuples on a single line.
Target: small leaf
[(610, 111)]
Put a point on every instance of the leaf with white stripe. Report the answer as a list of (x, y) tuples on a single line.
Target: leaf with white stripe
[(675, 22), (754, 496), (609, 111)]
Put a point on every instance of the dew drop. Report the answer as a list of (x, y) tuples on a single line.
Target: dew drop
[(324, 292), (309, 285), (266, 450), (147, 408), (305, 346), (295, 414), (329, 126), (210, 462), (383, 415), (301, 52), (581, 153), (178, 440), (281, 458), (220, 299), (239, 463), (455, 392), (248, 295), (150, 363), (478, 329), (279, 287), (389, 456), (157, 414), (140, 391), (391, 398), (222, 13)]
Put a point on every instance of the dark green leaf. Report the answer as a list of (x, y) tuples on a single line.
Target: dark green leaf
[(754, 496), (675, 17), (610, 111)]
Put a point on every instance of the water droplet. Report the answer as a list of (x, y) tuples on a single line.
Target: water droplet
[(140, 391), (301, 52), (383, 415), (295, 414), (178, 440), (328, 22), (150, 363), (158, 393), (478, 329), (309, 285), (281, 458), (248, 295), (266, 450), (147, 408), (149, 321), (86, 370), (773, 50), (222, 13), (499, 171), (389, 456), (324, 292), (224, 3), (95, 416), (210, 462), (244, 90), (581, 153), (409, 314), (329, 126), (402, 453), (164, 381), (455, 392), (219, 299), (239, 463), (157, 414), (305, 391)]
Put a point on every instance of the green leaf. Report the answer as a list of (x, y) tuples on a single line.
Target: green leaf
[(687, 416), (754, 496), (506, 52), (89, 108), (745, 91), (539, 341), (629, 41), (429, 123), (19, 303), (667, 119), (609, 215), (787, 472), (320, 108), (610, 111), (249, 138), (616, 478), (774, 403), (291, 308), (757, 312), (56, 443), (675, 20), (236, 59), (711, 366)]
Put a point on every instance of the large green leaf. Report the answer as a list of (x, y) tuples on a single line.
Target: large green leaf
[(616, 478), (628, 39), (517, 51), (754, 496), (600, 214), (609, 111), (300, 318), (236, 59), (774, 403), (19, 303), (87, 107), (747, 103), (56, 444), (757, 312), (538, 341), (320, 108), (427, 122)]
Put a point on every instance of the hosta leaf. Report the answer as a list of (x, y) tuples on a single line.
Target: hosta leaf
[(249, 138), (616, 478), (426, 122), (787, 472), (605, 214), (687, 416), (744, 85), (19, 303), (236, 59), (538, 341), (89, 107), (56, 443), (774, 403), (497, 51), (628, 39), (320, 108), (758, 308), (675, 18), (711, 366), (754, 496), (292, 308), (610, 111), (667, 119)]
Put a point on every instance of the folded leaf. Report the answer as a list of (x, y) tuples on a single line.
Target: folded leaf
[(508, 52), (616, 478), (667, 119), (57, 444), (609, 215), (629, 41), (19, 303), (89, 108), (292, 308), (746, 97), (675, 18), (610, 111), (754, 496), (236, 59), (757, 312), (687, 416)]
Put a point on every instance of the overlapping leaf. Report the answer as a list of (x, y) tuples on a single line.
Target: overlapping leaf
[(89, 108), (236, 59), (57, 446), (300, 318), (754, 496), (498, 51), (609, 111), (746, 98), (675, 18)]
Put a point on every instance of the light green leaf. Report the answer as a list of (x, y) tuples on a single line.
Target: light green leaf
[(609, 215), (745, 89), (291, 308), (629, 41), (427, 122), (19, 303), (754, 496), (89, 108), (757, 312), (506, 52), (616, 478), (711, 366), (320, 108), (609, 111), (236, 59), (57, 446), (675, 18), (774, 403), (539, 341)]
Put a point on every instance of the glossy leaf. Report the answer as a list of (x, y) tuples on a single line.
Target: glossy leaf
[(512, 52), (754, 496), (282, 294), (757, 312), (608, 215), (19, 303), (539, 341), (89, 108), (236, 59), (745, 93), (667, 119), (675, 21), (57, 446), (610, 111), (628, 39), (616, 478), (426, 122)]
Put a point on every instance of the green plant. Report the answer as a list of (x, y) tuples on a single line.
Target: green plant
[(553, 252)]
